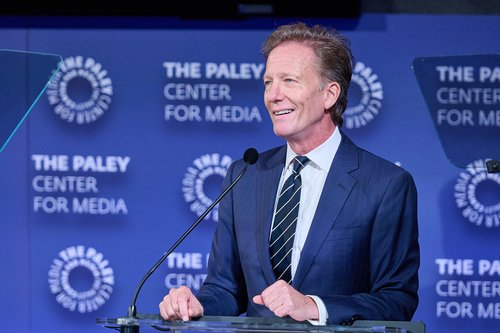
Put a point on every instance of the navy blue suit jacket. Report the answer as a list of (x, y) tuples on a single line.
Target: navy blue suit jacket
[(361, 256)]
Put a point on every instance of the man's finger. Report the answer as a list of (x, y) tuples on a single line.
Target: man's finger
[(163, 313), (166, 309), (182, 302), (195, 309), (257, 299)]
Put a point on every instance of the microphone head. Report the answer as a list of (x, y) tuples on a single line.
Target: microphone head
[(251, 156)]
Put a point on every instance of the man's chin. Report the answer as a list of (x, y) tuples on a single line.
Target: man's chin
[(281, 133)]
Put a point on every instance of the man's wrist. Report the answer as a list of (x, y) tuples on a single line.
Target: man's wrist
[(322, 312)]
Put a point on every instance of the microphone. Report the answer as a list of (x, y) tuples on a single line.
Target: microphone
[(493, 166), (249, 157)]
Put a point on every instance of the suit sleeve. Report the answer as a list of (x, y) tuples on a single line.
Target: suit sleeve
[(394, 261), (223, 291)]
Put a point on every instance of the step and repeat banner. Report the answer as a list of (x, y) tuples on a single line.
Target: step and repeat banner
[(130, 141)]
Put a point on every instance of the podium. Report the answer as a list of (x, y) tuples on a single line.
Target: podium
[(24, 76), (220, 324)]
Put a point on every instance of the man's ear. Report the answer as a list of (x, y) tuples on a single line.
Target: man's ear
[(331, 94)]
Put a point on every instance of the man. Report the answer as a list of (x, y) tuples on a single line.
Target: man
[(354, 249)]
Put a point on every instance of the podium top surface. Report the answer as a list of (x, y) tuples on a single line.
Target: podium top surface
[(23, 78), (247, 324)]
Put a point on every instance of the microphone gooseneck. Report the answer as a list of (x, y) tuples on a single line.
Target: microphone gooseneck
[(249, 157)]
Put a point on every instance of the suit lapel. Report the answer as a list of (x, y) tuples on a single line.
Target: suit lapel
[(338, 185), (267, 186)]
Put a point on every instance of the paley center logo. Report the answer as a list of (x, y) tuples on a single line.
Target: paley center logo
[(199, 180), (211, 92), (476, 195), (81, 279), (365, 97), (80, 91)]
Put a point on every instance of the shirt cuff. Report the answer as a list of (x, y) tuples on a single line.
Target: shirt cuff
[(323, 313)]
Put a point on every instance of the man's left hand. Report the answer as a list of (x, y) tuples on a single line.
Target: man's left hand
[(283, 300)]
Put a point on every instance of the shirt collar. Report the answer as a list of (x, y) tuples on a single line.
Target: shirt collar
[(321, 156)]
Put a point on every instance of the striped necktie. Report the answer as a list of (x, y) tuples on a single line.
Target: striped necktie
[(285, 221)]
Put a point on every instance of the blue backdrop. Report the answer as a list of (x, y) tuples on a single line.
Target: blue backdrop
[(130, 141)]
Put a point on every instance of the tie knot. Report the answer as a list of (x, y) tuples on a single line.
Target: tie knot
[(299, 162)]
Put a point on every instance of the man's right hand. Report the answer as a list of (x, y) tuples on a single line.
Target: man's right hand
[(180, 303)]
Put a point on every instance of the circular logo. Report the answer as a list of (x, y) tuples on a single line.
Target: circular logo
[(80, 91), (198, 182), (367, 93), (81, 279), (476, 195)]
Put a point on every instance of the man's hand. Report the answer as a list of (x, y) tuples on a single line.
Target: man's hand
[(180, 303), (284, 300)]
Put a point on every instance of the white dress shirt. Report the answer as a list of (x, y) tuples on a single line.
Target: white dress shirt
[(313, 180)]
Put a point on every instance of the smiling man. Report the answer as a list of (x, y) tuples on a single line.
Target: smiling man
[(319, 229)]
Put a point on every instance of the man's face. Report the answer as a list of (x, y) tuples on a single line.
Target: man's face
[(293, 95)]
